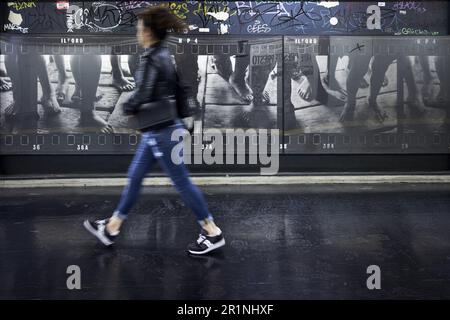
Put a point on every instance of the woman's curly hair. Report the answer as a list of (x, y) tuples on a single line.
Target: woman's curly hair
[(161, 20)]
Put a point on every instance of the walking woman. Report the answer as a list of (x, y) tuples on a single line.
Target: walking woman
[(155, 76)]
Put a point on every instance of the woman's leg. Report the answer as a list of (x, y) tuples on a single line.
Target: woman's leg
[(191, 195), (133, 62), (237, 79), (425, 62), (63, 79), (358, 68), (442, 100), (75, 67), (86, 70), (187, 68), (48, 100), (189, 192), (106, 230), (141, 164), (415, 104), (23, 72), (211, 237), (4, 86), (14, 74), (119, 80), (380, 65)]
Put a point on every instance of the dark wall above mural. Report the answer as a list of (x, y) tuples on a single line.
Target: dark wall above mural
[(234, 17)]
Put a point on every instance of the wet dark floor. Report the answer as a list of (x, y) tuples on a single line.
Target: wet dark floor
[(283, 242)]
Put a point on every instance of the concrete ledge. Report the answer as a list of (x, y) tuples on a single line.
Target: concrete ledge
[(234, 180)]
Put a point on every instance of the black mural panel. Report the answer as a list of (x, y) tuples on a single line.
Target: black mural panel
[(231, 17), (25, 17)]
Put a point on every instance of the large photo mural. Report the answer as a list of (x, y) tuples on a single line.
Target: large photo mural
[(330, 76)]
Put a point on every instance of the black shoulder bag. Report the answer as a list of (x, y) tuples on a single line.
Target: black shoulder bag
[(182, 105), (157, 112)]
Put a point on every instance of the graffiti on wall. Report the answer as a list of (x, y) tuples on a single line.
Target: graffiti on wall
[(233, 17)]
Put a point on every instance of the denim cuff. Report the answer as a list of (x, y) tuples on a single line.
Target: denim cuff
[(202, 222), (120, 215)]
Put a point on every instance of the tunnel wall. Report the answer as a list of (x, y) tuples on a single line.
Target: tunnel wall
[(294, 58)]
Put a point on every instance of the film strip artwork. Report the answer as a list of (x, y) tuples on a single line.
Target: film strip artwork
[(234, 79), (65, 94), (366, 95), (325, 94)]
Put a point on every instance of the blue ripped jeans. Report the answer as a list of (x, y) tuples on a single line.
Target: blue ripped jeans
[(157, 146)]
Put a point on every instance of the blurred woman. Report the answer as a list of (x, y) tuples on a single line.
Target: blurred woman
[(156, 145)]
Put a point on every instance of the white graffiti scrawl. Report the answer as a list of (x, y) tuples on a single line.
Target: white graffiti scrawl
[(15, 20), (101, 16), (328, 4), (222, 18)]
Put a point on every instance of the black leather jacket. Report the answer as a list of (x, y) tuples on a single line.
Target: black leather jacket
[(155, 78)]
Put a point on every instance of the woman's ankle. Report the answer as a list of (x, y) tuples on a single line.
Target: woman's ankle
[(113, 226), (210, 227)]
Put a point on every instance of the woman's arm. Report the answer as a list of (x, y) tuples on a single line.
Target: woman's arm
[(144, 90)]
